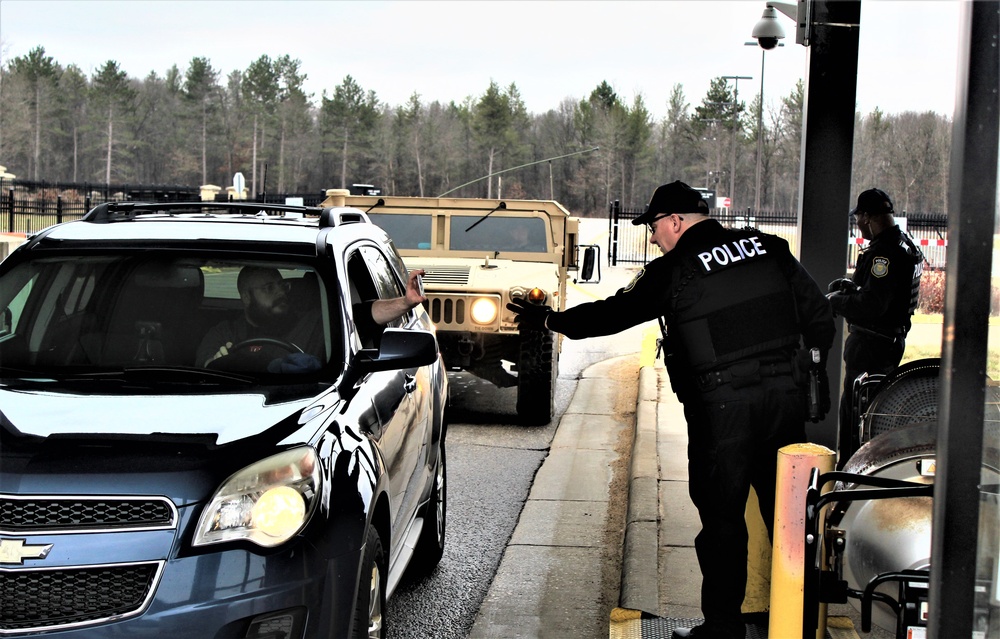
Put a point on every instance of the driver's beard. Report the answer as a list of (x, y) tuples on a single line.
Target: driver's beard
[(272, 320)]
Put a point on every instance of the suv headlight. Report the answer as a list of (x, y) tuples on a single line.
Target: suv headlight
[(267, 502)]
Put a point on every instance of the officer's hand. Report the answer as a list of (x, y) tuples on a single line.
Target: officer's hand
[(842, 285), (529, 315)]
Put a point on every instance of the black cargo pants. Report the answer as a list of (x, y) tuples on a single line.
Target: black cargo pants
[(865, 353), (733, 438)]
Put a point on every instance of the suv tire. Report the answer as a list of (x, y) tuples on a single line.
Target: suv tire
[(430, 545), (369, 606)]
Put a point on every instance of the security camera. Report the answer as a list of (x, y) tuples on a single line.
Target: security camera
[(768, 31), (767, 43)]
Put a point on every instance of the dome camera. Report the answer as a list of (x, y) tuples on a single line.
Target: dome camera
[(767, 43), (768, 31)]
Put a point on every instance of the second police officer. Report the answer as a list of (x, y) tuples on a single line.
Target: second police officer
[(738, 310), (876, 303)]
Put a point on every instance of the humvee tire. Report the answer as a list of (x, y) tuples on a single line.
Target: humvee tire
[(535, 377)]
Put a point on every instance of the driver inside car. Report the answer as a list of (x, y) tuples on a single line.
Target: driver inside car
[(283, 335)]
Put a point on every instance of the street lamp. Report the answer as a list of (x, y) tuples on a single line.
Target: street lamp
[(760, 115), (732, 162)]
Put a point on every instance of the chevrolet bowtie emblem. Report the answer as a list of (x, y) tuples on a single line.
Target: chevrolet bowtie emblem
[(14, 551)]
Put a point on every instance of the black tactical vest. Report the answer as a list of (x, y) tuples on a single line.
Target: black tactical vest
[(730, 300)]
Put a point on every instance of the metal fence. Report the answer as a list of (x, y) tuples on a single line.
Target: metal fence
[(629, 244), (28, 207)]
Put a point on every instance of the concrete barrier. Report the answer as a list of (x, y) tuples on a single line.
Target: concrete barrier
[(9, 242)]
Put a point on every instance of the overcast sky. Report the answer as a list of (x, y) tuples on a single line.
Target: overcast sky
[(447, 51)]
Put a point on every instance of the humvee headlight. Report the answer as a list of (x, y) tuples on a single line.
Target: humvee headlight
[(484, 310), (537, 296), (266, 503)]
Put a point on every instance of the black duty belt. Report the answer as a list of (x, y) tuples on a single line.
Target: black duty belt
[(890, 335), (742, 374)]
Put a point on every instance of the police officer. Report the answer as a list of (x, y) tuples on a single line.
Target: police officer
[(735, 305), (877, 302)]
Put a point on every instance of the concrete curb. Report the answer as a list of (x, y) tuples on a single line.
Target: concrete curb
[(640, 573)]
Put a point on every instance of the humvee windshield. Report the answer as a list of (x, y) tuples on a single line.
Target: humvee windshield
[(495, 233), (408, 231)]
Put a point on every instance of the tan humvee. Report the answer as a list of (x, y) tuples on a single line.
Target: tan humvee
[(479, 254)]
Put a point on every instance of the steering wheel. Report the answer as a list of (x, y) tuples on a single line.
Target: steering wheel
[(265, 341)]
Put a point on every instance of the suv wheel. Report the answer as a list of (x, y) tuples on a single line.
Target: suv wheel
[(535, 377), (369, 607), (430, 545)]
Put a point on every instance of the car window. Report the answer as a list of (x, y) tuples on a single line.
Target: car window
[(371, 277), (498, 233)]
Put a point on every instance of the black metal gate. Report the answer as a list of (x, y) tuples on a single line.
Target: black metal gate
[(627, 243)]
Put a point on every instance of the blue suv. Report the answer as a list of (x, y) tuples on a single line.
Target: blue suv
[(274, 483)]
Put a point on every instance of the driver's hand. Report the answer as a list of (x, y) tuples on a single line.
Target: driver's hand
[(414, 288), (222, 352)]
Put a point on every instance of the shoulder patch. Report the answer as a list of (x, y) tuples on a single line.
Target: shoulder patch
[(880, 266), (635, 279)]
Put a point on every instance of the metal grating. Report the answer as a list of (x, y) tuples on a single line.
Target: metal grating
[(909, 399), (39, 599), (456, 275), (649, 627), (21, 515)]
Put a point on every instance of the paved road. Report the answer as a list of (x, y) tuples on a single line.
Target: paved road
[(491, 465)]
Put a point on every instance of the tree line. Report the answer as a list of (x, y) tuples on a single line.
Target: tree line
[(196, 126)]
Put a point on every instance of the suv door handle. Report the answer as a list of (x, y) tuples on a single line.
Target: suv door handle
[(409, 383)]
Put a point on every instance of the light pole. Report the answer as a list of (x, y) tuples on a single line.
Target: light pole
[(732, 161), (760, 126)]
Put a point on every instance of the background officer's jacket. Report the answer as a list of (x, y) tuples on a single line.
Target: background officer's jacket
[(888, 274), (726, 295)]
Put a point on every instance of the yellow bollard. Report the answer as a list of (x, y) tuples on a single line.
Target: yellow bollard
[(795, 463), (758, 591)]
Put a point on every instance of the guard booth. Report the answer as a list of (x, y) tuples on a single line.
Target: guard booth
[(365, 189)]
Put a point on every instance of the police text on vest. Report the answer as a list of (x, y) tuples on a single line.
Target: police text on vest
[(731, 252)]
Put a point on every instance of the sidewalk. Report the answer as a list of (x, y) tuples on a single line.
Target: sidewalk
[(608, 506), (661, 580)]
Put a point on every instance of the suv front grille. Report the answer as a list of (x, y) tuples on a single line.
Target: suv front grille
[(34, 600), (22, 515)]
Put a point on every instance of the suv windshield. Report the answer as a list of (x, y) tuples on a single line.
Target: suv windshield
[(78, 313)]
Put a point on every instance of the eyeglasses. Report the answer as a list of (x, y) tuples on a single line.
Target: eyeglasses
[(273, 288), (652, 225)]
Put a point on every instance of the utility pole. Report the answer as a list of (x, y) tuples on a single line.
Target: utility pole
[(732, 161)]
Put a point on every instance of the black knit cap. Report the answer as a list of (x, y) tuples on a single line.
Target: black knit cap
[(675, 197), (873, 202)]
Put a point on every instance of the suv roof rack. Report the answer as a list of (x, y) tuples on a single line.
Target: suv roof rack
[(126, 211)]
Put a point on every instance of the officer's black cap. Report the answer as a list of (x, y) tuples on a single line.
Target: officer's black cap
[(675, 197), (873, 202)]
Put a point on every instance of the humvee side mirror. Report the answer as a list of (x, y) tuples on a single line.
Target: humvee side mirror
[(591, 259)]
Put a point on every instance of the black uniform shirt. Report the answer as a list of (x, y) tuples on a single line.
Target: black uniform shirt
[(647, 296), (888, 274)]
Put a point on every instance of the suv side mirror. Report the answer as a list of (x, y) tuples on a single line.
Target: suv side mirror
[(6, 322), (399, 348), (591, 259)]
